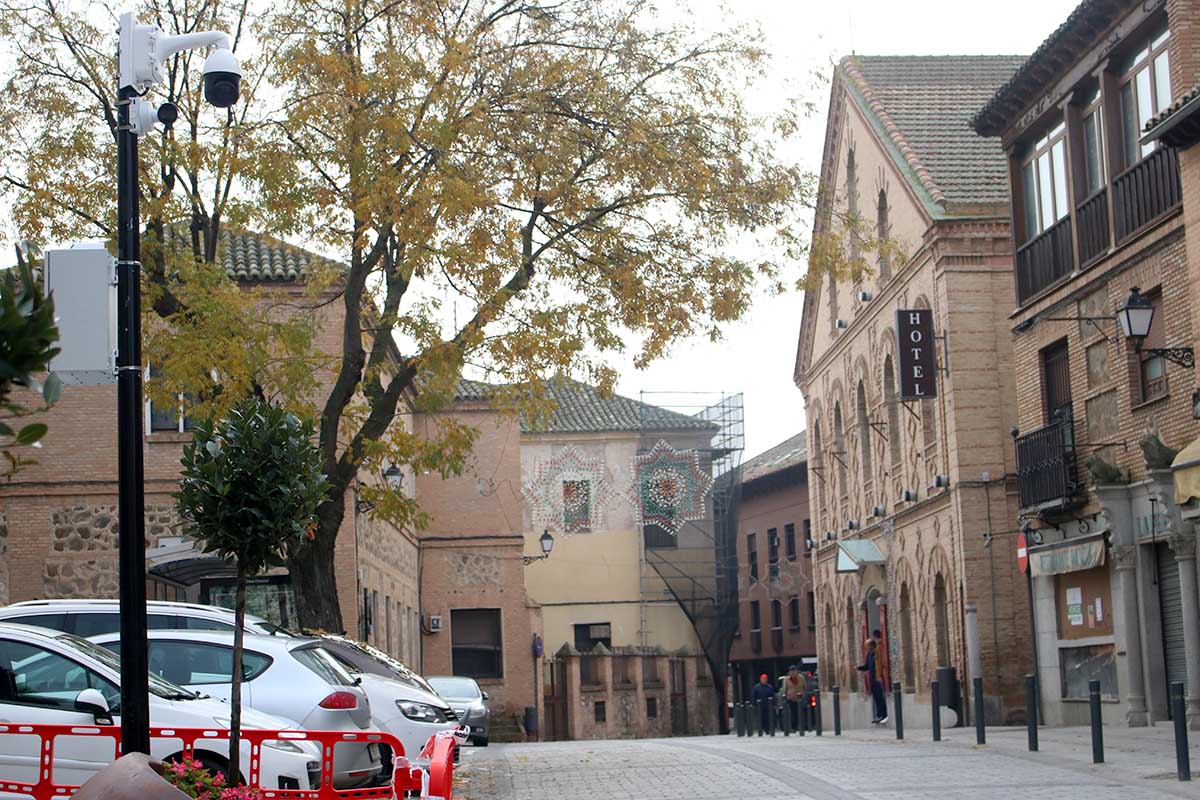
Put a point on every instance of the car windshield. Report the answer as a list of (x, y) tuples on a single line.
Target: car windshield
[(455, 687), (158, 687), (395, 669)]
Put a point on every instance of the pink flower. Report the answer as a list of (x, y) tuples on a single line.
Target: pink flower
[(178, 768), (219, 779)]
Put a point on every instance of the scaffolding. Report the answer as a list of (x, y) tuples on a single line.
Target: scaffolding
[(696, 567)]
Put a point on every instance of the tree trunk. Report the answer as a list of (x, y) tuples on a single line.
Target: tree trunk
[(235, 693), (314, 582)]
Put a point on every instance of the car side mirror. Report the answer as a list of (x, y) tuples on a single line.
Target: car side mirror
[(484, 694), (91, 701)]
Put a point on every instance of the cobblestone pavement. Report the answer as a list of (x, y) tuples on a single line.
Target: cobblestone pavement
[(861, 765)]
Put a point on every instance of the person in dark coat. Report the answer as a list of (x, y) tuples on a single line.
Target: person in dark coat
[(763, 696), (875, 677)]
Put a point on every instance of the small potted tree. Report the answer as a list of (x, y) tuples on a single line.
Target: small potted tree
[(250, 486)]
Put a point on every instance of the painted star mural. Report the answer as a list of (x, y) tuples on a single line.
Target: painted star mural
[(669, 487), (568, 491)]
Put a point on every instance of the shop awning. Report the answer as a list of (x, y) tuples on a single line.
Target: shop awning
[(1186, 469), (1070, 555), (854, 554)]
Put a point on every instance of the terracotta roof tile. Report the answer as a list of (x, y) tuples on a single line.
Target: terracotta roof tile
[(923, 103), (581, 409), (788, 453)]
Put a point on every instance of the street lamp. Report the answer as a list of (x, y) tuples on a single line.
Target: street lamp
[(393, 477), (142, 53), (547, 543), (1136, 317)]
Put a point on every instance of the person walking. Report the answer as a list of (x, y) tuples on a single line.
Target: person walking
[(875, 677), (763, 696), (793, 689)]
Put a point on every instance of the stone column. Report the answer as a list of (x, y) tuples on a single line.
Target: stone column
[(1184, 546), (1125, 561)]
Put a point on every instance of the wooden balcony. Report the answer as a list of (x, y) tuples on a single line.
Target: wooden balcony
[(1045, 261), (1092, 220), (1140, 196), (1145, 192), (1047, 468)]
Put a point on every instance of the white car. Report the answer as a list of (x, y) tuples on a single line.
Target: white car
[(402, 703), (89, 618), (287, 677), (409, 714), (53, 678)]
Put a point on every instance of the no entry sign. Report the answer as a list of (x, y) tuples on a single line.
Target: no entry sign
[(1022, 553)]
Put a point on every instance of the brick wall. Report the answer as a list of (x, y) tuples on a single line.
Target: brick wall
[(470, 556), (781, 503)]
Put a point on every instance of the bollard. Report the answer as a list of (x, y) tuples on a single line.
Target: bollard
[(837, 710), (785, 717), (1031, 711), (739, 715), (817, 710), (1182, 761), (772, 713), (1097, 729), (935, 702), (898, 710), (977, 691), (757, 713)]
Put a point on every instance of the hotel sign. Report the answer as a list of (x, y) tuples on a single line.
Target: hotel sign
[(917, 353)]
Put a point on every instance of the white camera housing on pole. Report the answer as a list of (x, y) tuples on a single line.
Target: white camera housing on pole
[(144, 50)]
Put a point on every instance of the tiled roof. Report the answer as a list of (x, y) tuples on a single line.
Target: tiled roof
[(581, 409), (1072, 38), (253, 256), (788, 453), (923, 104), (1178, 124)]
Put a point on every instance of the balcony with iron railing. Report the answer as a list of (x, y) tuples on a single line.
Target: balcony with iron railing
[(1140, 197), (1047, 466)]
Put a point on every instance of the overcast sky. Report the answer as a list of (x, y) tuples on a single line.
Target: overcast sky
[(758, 355)]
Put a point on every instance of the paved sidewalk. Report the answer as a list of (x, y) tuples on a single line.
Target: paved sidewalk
[(860, 765)]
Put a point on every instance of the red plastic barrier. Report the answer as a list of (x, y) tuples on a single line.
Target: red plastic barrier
[(402, 780)]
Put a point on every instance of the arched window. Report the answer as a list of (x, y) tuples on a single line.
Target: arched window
[(852, 206), (941, 620), (906, 638), (893, 414), (819, 477), (864, 433), (882, 228), (839, 451), (853, 651)]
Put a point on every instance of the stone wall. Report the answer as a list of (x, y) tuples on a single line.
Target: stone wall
[(637, 699), (82, 557)]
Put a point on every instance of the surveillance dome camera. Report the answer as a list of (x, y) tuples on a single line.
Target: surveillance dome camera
[(167, 114), (222, 78)]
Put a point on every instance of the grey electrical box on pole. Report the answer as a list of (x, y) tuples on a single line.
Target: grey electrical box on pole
[(83, 283)]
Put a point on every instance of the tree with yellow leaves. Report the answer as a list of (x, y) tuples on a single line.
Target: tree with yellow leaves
[(524, 187)]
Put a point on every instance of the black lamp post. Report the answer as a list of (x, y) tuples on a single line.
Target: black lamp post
[(141, 53), (1136, 317), (547, 543)]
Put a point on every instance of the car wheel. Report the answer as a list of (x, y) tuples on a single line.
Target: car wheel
[(481, 741)]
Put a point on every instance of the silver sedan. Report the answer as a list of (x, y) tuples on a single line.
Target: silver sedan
[(469, 703)]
